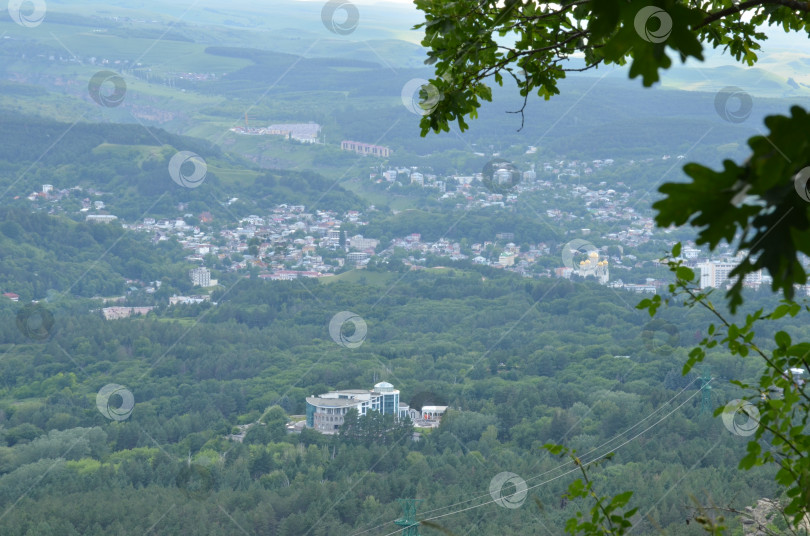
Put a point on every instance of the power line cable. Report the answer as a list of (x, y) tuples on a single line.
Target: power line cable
[(608, 442)]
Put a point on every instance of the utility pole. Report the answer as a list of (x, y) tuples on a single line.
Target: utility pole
[(408, 522)]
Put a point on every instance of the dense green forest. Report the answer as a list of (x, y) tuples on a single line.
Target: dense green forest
[(520, 362), (46, 256)]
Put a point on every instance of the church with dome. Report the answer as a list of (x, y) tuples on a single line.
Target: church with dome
[(595, 267)]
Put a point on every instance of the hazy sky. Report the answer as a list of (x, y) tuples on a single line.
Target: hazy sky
[(777, 36)]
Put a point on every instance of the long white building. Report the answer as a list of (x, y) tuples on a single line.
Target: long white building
[(714, 274)]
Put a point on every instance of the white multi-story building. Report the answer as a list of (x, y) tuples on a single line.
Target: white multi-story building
[(503, 177), (357, 257), (690, 252), (714, 274), (327, 412), (200, 277), (359, 242), (506, 259)]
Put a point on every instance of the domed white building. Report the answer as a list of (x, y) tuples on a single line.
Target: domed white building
[(593, 266), (326, 412)]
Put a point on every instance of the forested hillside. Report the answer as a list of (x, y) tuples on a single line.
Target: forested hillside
[(521, 363), (42, 256), (127, 167)]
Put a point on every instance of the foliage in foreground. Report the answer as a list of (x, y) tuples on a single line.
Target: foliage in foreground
[(777, 406)]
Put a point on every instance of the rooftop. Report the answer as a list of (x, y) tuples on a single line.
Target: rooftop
[(332, 402)]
